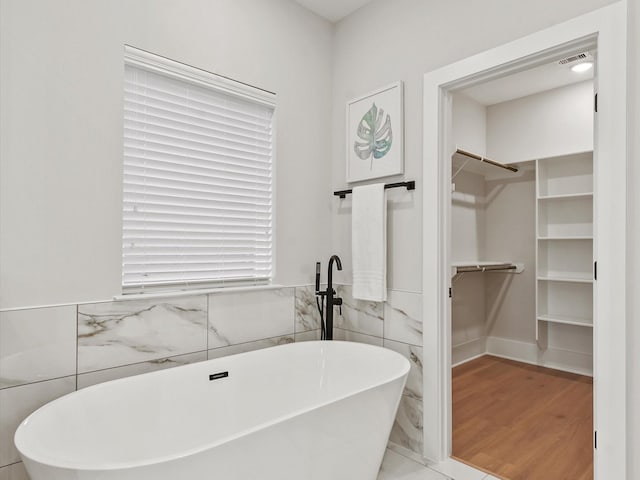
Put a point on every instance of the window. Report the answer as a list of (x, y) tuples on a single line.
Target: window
[(198, 178)]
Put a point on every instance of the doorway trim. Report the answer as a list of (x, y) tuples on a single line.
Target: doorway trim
[(607, 26)]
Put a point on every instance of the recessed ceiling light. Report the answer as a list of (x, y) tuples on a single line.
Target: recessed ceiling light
[(582, 67)]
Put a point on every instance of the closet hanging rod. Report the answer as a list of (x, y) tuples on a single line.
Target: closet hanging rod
[(486, 160), (411, 185)]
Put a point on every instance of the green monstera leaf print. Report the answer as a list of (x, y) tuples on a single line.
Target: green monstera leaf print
[(376, 136)]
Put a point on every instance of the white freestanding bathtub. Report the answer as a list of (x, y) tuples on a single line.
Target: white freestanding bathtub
[(302, 411)]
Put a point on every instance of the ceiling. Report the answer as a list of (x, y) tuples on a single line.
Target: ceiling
[(535, 80), (333, 10)]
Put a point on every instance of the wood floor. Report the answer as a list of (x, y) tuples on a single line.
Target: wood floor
[(522, 422)]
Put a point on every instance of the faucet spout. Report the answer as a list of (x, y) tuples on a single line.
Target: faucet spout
[(331, 300), (335, 258)]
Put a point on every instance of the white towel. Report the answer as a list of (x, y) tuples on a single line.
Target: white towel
[(369, 243)]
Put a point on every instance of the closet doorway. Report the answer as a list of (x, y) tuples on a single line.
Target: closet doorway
[(515, 265), (521, 260)]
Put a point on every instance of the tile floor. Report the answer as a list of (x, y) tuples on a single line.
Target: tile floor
[(397, 467)]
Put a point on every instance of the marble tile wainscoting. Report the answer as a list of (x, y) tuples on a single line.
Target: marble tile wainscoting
[(394, 324), (51, 351)]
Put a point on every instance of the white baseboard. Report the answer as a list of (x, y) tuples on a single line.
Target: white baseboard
[(468, 351), (574, 362)]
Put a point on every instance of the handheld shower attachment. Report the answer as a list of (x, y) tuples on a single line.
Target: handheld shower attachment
[(317, 277)]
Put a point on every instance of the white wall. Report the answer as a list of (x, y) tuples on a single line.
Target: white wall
[(510, 236), (410, 38), (469, 124), (468, 326), (469, 128), (61, 67), (633, 240), (468, 222), (527, 128)]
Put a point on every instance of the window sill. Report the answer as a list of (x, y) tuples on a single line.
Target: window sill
[(202, 291)]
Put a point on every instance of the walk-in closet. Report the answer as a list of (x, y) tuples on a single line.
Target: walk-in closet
[(522, 272)]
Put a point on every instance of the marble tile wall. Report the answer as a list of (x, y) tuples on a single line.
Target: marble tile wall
[(48, 352), (114, 334), (100, 376), (18, 402), (31, 350), (394, 324), (237, 318), (307, 319)]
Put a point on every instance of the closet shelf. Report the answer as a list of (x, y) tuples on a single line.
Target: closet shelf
[(565, 279), (564, 246), (566, 320), (566, 195), (567, 237), (485, 266)]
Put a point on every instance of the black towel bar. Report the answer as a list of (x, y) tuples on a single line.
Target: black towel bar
[(411, 185)]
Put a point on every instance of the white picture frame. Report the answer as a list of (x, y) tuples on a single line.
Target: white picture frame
[(375, 146)]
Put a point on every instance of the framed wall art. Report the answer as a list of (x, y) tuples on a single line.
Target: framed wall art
[(375, 134)]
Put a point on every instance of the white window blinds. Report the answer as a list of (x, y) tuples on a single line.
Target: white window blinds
[(198, 178)]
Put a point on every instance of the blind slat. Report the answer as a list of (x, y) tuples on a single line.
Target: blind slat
[(261, 248), (176, 145), (146, 167), (145, 153), (197, 269), (175, 192), (195, 183), (142, 149), (134, 197), (216, 106), (193, 119), (188, 132), (179, 229), (180, 237), (152, 243)]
